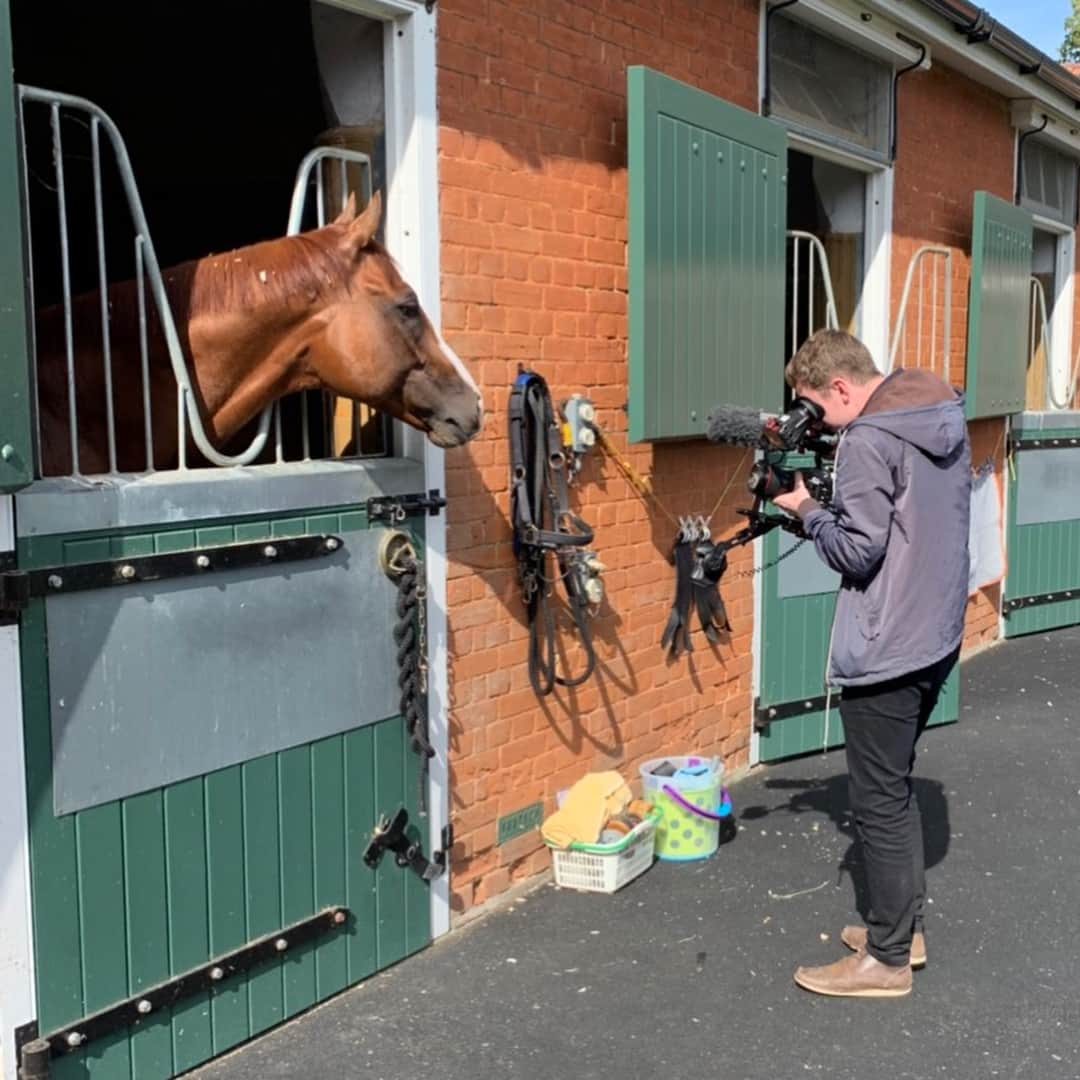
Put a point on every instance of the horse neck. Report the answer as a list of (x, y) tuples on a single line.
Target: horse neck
[(241, 361)]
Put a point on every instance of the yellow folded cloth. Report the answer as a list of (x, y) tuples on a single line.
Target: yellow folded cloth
[(589, 803)]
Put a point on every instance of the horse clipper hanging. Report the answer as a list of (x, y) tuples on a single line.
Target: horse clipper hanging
[(547, 531)]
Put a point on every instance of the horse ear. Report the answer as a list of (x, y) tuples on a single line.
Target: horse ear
[(362, 230), (348, 211)]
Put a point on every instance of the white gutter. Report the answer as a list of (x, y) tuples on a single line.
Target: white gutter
[(981, 62)]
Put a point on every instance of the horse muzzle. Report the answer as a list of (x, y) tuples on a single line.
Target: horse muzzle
[(455, 428)]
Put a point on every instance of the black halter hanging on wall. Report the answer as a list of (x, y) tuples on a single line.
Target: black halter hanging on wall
[(545, 525)]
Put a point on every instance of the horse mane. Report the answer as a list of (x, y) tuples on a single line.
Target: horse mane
[(290, 271)]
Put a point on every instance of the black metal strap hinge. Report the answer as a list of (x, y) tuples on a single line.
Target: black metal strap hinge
[(148, 1004), (764, 715), (391, 835), (1042, 443), (392, 509), (1062, 596), (18, 587)]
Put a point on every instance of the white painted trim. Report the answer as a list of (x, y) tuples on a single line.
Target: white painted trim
[(1063, 135), (762, 13), (874, 309), (819, 149), (17, 990), (378, 9), (1061, 318), (756, 651), (1050, 225), (1006, 516), (979, 62), (412, 237), (412, 234)]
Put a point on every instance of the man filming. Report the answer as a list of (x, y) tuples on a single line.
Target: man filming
[(897, 533)]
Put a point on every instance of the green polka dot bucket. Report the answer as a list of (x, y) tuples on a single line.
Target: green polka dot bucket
[(691, 802)]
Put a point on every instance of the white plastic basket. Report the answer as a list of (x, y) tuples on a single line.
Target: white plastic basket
[(606, 867)]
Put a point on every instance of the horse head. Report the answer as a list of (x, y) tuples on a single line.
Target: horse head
[(375, 343)]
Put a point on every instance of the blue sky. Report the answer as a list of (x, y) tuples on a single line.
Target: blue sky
[(1042, 22)]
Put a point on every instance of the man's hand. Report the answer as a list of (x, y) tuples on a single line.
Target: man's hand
[(798, 501)]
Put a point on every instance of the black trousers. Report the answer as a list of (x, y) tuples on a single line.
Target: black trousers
[(882, 723)]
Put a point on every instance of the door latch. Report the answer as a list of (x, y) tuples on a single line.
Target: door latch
[(390, 835)]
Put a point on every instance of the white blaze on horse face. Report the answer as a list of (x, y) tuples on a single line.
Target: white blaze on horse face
[(462, 370)]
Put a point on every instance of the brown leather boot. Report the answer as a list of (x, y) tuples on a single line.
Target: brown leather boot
[(854, 937), (860, 975)]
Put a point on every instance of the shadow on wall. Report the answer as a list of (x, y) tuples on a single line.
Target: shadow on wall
[(482, 545)]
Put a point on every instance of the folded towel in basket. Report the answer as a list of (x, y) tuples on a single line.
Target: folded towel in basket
[(589, 803)]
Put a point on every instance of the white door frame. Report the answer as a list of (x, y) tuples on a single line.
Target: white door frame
[(412, 236), (873, 318), (17, 990), (1061, 303)]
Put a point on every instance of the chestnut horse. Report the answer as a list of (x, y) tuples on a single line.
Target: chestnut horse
[(326, 309)]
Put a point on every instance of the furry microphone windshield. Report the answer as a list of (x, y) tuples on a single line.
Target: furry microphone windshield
[(735, 425)]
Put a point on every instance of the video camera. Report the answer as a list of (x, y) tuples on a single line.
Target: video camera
[(799, 430)]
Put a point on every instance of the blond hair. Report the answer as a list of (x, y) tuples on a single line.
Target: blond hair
[(826, 354)]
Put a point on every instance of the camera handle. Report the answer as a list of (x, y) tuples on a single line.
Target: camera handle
[(759, 523)]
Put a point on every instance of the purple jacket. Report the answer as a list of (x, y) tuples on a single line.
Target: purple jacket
[(897, 531)]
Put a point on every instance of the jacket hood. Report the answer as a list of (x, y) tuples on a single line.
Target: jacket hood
[(918, 407)]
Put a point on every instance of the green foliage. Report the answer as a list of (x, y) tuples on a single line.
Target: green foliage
[(1070, 47)]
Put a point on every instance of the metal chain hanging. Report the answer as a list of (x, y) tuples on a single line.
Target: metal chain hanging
[(769, 565)]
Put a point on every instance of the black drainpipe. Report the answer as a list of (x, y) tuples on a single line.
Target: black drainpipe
[(766, 95), (1020, 154), (894, 119)]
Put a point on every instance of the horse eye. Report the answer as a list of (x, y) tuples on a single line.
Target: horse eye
[(409, 309)]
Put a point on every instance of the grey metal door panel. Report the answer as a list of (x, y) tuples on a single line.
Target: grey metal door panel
[(152, 685), (1048, 486), (804, 573)]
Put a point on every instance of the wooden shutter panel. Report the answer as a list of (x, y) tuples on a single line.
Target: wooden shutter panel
[(1001, 242), (708, 206)]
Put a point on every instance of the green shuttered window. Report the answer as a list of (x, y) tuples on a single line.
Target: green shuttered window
[(708, 204), (1001, 239)]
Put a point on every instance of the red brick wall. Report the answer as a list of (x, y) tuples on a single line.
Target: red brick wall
[(533, 217), (954, 139), (532, 100)]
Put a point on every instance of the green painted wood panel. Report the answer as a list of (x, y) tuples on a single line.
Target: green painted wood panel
[(794, 651), (794, 648), (130, 893), (708, 212), (1001, 245), (1042, 558), (360, 810), (330, 848), (16, 458)]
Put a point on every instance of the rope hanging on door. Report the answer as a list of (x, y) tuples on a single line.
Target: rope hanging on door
[(410, 637), (400, 561)]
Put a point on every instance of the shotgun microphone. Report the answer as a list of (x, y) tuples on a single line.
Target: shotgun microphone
[(735, 425)]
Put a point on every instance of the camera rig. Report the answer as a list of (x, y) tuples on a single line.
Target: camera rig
[(799, 430)]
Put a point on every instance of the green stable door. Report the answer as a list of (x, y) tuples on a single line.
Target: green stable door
[(1042, 585), (206, 762), (798, 598)]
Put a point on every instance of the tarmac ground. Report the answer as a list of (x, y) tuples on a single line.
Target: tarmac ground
[(687, 972)]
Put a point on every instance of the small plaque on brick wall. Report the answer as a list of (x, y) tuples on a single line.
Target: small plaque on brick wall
[(520, 822)]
